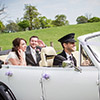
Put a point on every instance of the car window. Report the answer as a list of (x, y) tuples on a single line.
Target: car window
[(85, 59)]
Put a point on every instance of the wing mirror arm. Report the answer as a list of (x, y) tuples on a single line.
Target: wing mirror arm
[(78, 69)]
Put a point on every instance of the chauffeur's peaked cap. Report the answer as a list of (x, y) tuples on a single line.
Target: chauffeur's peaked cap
[(67, 38)]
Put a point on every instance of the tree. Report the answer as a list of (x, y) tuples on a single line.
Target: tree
[(17, 20), (24, 24), (36, 23), (2, 11), (94, 19), (2, 8), (1, 24), (60, 20), (81, 19), (12, 27), (2, 27), (49, 23), (45, 23), (30, 14)]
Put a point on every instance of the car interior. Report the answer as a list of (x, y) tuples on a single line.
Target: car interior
[(47, 56)]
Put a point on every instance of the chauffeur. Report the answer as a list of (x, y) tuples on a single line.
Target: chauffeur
[(68, 44)]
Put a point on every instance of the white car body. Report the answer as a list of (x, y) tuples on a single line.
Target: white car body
[(55, 83)]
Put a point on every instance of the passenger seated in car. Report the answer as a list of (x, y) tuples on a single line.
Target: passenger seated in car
[(17, 55), (33, 51)]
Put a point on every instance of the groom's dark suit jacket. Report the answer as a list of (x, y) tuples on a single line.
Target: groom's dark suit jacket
[(30, 59)]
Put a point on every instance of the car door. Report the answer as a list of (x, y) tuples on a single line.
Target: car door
[(68, 84), (24, 82)]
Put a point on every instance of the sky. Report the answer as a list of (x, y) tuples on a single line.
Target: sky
[(50, 8)]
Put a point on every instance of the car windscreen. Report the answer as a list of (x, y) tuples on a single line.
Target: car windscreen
[(94, 45)]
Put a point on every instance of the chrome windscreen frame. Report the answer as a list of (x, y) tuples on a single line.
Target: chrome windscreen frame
[(90, 48)]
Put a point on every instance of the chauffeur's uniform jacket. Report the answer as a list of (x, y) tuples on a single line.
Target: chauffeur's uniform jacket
[(59, 59), (73, 58)]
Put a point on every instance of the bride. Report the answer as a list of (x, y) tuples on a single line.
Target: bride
[(17, 55)]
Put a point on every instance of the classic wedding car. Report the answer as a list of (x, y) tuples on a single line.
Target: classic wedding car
[(56, 83)]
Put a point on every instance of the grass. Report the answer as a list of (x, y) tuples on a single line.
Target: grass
[(50, 34)]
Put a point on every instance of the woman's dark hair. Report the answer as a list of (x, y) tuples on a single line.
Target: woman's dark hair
[(16, 44)]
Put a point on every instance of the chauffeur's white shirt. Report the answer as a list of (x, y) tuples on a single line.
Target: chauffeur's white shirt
[(68, 56)]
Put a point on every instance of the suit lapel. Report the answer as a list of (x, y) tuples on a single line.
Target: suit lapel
[(28, 53), (31, 57), (37, 56), (63, 54)]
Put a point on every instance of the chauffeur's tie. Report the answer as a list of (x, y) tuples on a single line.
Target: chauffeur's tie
[(71, 59)]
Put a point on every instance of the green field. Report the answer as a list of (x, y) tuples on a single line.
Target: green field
[(50, 34)]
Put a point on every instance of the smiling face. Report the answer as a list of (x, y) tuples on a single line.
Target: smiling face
[(69, 47), (33, 42), (22, 45)]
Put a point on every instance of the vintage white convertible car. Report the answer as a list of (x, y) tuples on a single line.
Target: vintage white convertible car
[(56, 83)]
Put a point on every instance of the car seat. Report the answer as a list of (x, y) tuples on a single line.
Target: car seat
[(47, 56)]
